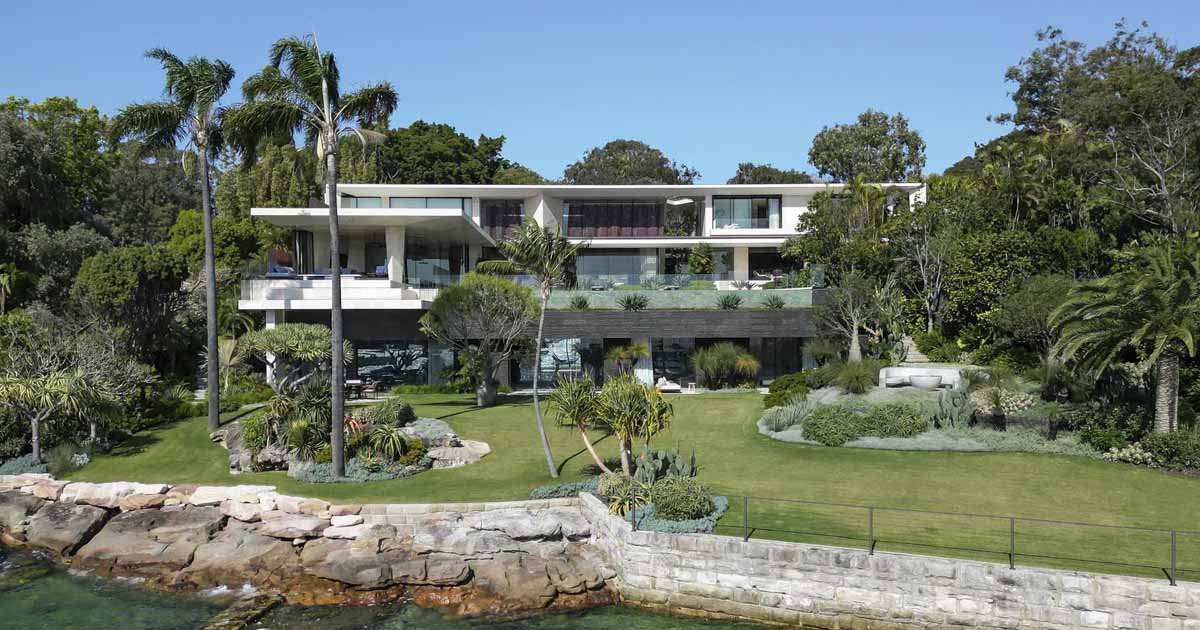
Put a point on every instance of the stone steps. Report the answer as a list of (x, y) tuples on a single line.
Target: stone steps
[(914, 355)]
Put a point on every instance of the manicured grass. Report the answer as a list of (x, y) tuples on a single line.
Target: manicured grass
[(737, 461)]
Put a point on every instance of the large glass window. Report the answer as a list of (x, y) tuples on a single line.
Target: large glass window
[(589, 218), (392, 362), (420, 203), (609, 266), (671, 360), (498, 216), (560, 358), (758, 213), (433, 264), (350, 201)]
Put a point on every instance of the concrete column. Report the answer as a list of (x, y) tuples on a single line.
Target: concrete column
[(393, 237), (706, 217), (270, 319), (741, 263), (649, 262), (356, 253), (643, 369)]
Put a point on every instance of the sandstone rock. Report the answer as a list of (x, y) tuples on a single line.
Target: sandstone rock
[(150, 543), (15, 507), (455, 538), (271, 457), (63, 528), (348, 532), (267, 500), (519, 524), (49, 492), (238, 555), (294, 526), (245, 512), (433, 433), (344, 510), (522, 582), (374, 539), (332, 560), (469, 452), (313, 507), (285, 503), (345, 520), (142, 501), (215, 495), (106, 495)]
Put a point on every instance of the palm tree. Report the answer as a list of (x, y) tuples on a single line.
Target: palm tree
[(1153, 307), (299, 91), (625, 357), (192, 113), (8, 272), (547, 257), (576, 404)]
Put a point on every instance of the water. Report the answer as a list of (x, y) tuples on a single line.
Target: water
[(37, 596)]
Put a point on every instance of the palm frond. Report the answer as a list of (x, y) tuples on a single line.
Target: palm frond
[(370, 105), (157, 126)]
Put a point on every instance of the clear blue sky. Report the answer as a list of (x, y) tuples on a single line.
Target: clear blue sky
[(711, 84)]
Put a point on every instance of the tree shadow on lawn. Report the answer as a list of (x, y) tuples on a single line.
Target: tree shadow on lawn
[(562, 465), (148, 436)]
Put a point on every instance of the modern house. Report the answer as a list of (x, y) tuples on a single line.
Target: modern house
[(401, 243)]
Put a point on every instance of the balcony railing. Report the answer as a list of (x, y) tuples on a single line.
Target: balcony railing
[(671, 282)]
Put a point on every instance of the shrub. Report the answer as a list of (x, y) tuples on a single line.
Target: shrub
[(729, 302), (955, 409), (776, 419), (833, 425), (895, 420), (255, 432), (414, 452), (580, 303), (305, 438), (612, 484), (634, 303), (565, 490), (1001, 401), (356, 470), (393, 411), (784, 389), (648, 520), (774, 302), (857, 378), (21, 465), (1179, 450), (1109, 426), (817, 378), (680, 498), (654, 465), (387, 441), (724, 364)]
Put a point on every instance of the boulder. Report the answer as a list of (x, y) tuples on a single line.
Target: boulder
[(519, 524), (332, 560), (271, 457), (313, 507), (432, 432), (468, 452), (285, 503), (63, 528), (15, 508), (106, 495), (150, 543), (344, 510), (348, 532), (293, 526), (142, 502), (345, 520), (239, 555), (522, 582), (245, 512), (49, 492), (215, 495)]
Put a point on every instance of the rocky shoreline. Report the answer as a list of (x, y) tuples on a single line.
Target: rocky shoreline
[(481, 559)]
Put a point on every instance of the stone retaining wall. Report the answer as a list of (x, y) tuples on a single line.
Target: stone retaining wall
[(831, 587)]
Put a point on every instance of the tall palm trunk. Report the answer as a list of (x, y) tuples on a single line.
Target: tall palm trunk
[(210, 296), (537, 368), (1166, 393), (338, 380), (35, 437)]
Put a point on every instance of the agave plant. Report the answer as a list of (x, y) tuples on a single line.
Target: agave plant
[(388, 441)]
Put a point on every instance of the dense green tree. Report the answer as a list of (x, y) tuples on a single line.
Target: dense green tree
[(751, 173), (299, 91), (628, 162), (516, 174), (433, 153), (139, 290), (235, 239), (1152, 307), (1024, 315), (192, 113), (876, 147), (146, 196), (78, 137), (31, 179), (54, 257), (549, 258)]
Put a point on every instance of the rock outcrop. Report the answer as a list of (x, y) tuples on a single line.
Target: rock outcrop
[(506, 560)]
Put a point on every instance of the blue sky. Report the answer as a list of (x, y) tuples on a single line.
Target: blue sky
[(710, 84)]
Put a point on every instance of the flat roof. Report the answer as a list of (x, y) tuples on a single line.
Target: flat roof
[(520, 191)]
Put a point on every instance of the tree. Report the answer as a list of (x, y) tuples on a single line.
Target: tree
[(751, 173), (146, 196), (433, 153), (515, 174), (54, 257), (926, 245), (626, 356), (299, 91), (627, 162), (631, 409), (1153, 308), (549, 258), (576, 404), (8, 274), (32, 183), (877, 147), (482, 313), (290, 351), (192, 113), (850, 307), (700, 259), (139, 290), (1025, 314)]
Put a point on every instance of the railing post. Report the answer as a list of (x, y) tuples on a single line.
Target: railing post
[(745, 518), (1174, 550), (633, 506), (871, 531), (1012, 543)]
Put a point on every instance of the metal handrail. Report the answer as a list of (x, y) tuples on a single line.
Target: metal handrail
[(1012, 552)]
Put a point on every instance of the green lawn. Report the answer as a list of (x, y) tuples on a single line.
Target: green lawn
[(737, 461)]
